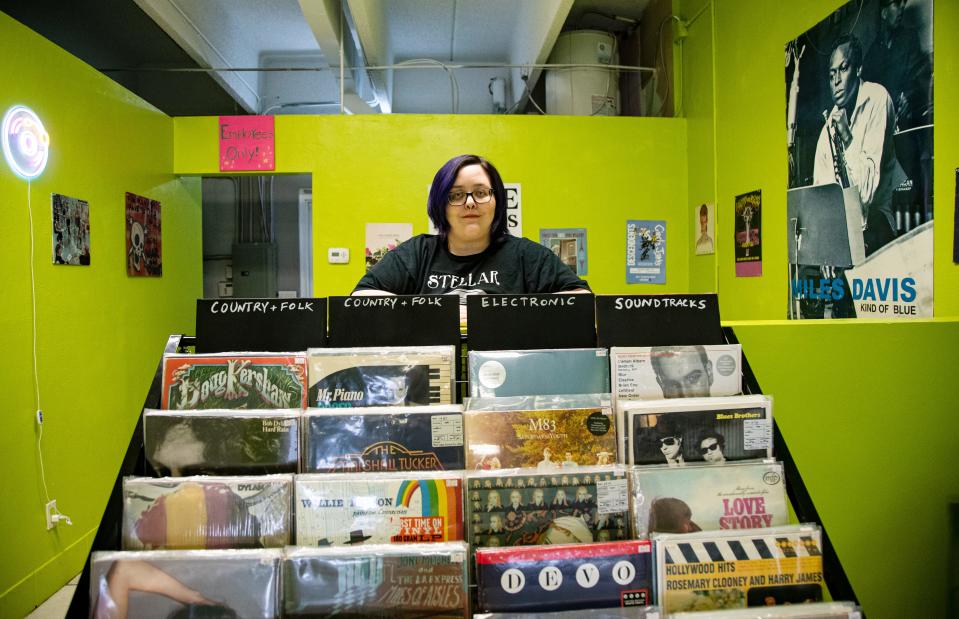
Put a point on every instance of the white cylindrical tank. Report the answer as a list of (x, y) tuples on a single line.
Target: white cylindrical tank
[(585, 91)]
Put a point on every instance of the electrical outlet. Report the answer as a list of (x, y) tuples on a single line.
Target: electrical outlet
[(51, 511)]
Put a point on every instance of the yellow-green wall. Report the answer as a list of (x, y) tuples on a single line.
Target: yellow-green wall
[(592, 173), (99, 333)]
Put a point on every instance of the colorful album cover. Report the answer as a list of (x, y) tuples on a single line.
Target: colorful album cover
[(380, 508), (538, 372), (233, 381), (144, 241), (547, 440), (404, 580), (221, 442), (806, 610), (711, 430), (414, 438), (522, 507), (71, 230), (160, 584), (385, 376), (565, 577), (701, 497), (657, 372), (173, 513), (739, 569)]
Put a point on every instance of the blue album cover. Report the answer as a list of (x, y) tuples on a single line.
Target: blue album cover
[(378, 440), (565, 577), (538, 372)]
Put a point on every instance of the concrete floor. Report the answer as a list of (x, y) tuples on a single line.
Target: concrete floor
[(56, 606)]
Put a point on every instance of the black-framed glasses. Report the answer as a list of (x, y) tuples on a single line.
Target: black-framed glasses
[(669, 440), (481, 195), (708, 448)]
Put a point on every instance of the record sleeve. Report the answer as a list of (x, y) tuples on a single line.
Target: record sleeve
[(653, 373), (811, 610), (634, 612), (160, 584), (376, 439), (701, 497), (234, 380), (564, 577), (170, 513), (523, 507), (738, 569), (547, 440), (713, 430), (538, 372), (540, 402), (222, 442), (378, 508), (385, 376), (377, 580)]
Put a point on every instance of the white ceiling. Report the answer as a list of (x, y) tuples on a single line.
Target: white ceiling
[(282, 34)]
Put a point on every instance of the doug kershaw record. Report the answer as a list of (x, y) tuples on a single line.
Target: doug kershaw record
[(232, 380), (712, 430), (405, 581), (387, 376), (761, 567), (378, 508), (376, 439)]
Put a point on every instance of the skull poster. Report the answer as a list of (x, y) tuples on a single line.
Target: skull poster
[(144, 255)]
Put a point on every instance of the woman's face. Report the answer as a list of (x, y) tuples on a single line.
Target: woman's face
[(471, 222)]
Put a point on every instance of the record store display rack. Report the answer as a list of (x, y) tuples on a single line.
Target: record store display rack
[(602, 457)]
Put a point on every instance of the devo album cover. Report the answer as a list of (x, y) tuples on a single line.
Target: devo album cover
[(221, 442), (406, 581), (701, 497), (712, 430), (538, 372), (414, 438), (161, 584), (387, 376), (233, 381), (522, 507), (207, 512), (378, 508)]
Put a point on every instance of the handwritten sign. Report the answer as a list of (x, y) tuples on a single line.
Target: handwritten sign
[(246, 143), (402, 320), (261, 325), (530, 321), (658, 320)]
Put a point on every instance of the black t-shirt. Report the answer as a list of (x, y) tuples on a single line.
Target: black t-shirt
[(512, 265)]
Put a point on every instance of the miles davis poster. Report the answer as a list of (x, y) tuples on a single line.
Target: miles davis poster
[(859, 117)]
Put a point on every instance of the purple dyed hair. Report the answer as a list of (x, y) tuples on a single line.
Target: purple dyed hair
[(443, 182)]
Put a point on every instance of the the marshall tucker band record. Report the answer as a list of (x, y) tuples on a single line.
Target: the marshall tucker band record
[(657, 372), (207, 512), (369, 440), (404, 580), (713, 430), (546, 440), (701, 497), (387, 376), (522, 507), (538, 372), (208, 583), (234, 381), (565, 577), (378, 508), (756, 567), (222, 442)]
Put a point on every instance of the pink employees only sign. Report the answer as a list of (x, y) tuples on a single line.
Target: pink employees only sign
[(246, 143)]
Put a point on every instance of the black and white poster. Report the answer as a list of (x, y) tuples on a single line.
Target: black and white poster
[(859, 115)]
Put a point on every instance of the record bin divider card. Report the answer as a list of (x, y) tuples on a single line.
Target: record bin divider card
[(261, 325), (658, 320), (394, 320), (530, 321)]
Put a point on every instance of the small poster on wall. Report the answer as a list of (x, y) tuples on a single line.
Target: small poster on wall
[(71, 230), (246, 143), (706, 215), (144, 246), (749, 249), (382, 238), (567, 243), (645, 251)]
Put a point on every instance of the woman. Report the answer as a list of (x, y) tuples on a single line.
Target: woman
[(473, 252)]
